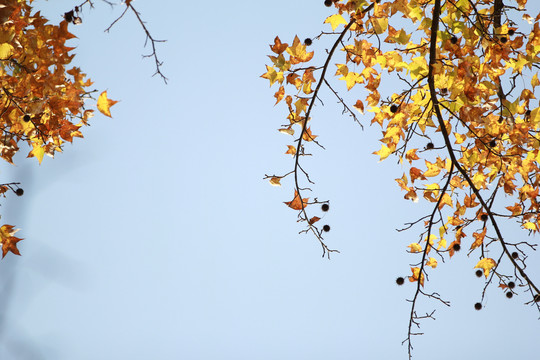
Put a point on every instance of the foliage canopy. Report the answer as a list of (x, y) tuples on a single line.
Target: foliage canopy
[(465, 125)]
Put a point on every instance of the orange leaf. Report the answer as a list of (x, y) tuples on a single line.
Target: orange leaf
[(292, 150), (104, 104), (313, 220), (297, 203), (279, 94), (278, 47), (478, 239), (416, 274), (9, 242), (308, 136)]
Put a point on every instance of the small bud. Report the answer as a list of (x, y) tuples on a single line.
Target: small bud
[(504, 39), (479, 273), (515, 255), (325, 207), (509, 294), (400, 280), (430, 146), (328, 3), (393, 108), (26, 118), (511, 285), (484, 217), (478, 306), (457, 247), (308, 42), (511, 32), (326, 228), (492, 143), (19, 192), (454, 39)]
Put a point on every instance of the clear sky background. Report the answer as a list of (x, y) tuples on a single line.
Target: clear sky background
[(155, 237)]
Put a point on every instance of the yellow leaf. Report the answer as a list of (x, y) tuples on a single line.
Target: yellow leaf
[(37, 152), (529, 225), (6, 50), (441, 244), (335, 21), (383, 153), (104, 104), (415, 247), (486, 264), (432, 262), (416, 275), (380, 25)]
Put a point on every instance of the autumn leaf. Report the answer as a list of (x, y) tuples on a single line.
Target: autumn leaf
[(416, 275), (313, 220), (486, 264), (383, 153), (432, 262), (415, 247), (104, 104), (291, 150), (278, 47), (308, 136), (297, 203), (478, 239), (275, 181), (9, 242), (335, 21), (359, 105)]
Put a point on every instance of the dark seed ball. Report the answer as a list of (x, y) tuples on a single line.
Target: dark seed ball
[(478, 306), (400, 280)]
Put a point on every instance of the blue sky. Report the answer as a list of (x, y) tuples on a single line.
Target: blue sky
[(155, 237)]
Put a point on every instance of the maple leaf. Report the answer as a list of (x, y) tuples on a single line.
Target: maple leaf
[(297, 203), (291, 150), (278, 47), (9, 242), (298, 52), (308, 136), (415, 247), (431, 262), (416, 275), (478, 239), (486, 264), (279, 94), (104, 104), (359, 106), (335, 20)]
